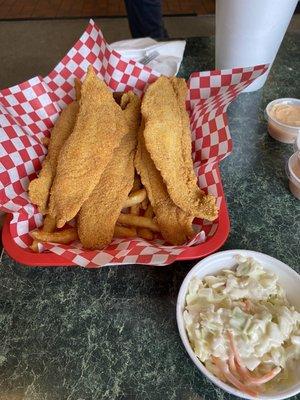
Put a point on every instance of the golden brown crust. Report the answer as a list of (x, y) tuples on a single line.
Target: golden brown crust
[(168, 140), (99, 129), (39, 188), (175, 224), (99, 213)]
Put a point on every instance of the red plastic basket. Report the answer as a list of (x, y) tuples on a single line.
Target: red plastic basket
[(29, 110), (48, 259)]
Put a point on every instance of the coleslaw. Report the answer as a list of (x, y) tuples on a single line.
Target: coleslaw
[(242, 327)]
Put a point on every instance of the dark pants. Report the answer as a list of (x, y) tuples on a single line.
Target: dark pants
[(145, 18)]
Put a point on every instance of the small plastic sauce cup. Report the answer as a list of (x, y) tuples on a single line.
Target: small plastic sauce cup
[(282, 132), (293, 173), (297, 143)]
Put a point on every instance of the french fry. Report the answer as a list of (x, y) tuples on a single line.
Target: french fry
[(64, 236), (149, 212), (46, 141), (135, 210), (138, 221), (136, 184), (145, 233), (49, 226), (135, 198), (144, 204), (35, 246), (77, 83), (123, 232)]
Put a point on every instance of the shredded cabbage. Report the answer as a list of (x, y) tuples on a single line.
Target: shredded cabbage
[(249, 302)]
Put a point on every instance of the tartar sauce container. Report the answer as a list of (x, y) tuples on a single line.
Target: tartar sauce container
[(293, 173), (283, 116), (297, 143)]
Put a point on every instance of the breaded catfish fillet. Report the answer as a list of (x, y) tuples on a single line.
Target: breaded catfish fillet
[(39, 188), (99, 129), (174, 223), (98, 215), (168, 140)]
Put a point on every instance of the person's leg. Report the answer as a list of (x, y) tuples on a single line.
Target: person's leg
[(145, 18)]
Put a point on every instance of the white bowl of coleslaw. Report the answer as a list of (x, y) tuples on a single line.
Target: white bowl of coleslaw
[(237, 325)]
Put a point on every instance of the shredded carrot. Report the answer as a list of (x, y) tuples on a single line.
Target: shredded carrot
[(267, 377), (248, 305), (223, 367), (232, 365), (243, 370)]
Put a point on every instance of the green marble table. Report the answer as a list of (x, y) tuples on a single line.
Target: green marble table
[(75, 334)]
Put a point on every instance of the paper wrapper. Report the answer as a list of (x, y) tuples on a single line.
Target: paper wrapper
[(29, 110)]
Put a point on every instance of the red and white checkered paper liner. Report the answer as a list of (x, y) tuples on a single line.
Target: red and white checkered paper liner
[(29, 110)]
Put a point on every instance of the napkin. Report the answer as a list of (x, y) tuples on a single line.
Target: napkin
[(170, 53)]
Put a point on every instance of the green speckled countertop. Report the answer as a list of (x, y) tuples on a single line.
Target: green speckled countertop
[(74, 334)]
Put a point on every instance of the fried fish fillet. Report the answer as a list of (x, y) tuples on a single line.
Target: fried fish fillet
[(174, 223), (168, 140), (39, 188), (99, 129), (98, 215)]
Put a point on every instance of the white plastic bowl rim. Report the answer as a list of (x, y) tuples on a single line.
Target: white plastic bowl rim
[(288, 278), (290, 173), (297, 144)]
